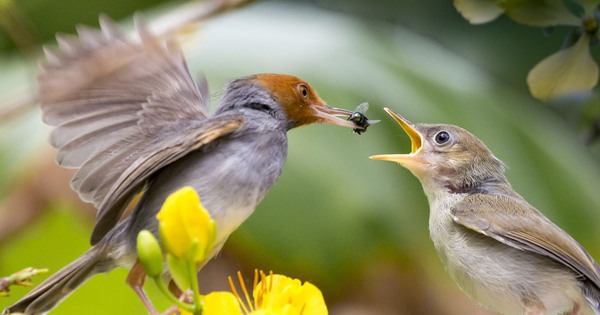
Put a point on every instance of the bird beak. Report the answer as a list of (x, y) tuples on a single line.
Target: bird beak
[(330, 115), (416, 143)]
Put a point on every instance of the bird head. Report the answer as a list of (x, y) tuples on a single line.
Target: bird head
[(446, 156), (286, 95)]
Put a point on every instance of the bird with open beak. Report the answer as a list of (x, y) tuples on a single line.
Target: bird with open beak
[(500, 250), (128, 116)]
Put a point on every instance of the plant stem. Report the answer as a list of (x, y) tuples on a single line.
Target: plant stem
[(165, 291), (193, 274)]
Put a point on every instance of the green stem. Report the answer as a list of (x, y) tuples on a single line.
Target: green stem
[(165, 291), (191, 265)]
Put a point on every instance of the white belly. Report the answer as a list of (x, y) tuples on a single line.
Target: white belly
[(499, 277)]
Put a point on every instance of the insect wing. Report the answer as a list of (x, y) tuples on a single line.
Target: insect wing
[(362, 108)]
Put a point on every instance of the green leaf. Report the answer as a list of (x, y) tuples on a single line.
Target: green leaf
[(478, 11), (567, 72), (541, 13), (589, 6), (179, 272)]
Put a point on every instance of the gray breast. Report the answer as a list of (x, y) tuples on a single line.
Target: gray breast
[(231, 176)]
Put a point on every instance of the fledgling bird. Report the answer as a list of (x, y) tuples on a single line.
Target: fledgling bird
[(128, 116), (500, 250)]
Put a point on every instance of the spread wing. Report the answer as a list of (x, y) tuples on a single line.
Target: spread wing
[(137, 168), (511, 222), (122, 109)]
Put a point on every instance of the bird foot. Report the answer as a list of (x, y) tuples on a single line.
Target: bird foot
[(136, 279), (173, 310)]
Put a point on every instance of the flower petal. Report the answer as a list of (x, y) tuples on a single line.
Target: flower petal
[(221, 303), (478, 11), (313, 299), (568, 72), (183, 219), (287, 296), (541, 13), (183, 311)]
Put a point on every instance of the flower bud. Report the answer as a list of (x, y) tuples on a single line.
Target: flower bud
[(185, 227), (149, 253)]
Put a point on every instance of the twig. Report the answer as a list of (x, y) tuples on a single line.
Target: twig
[(17, 105), (193, 12), (21, 277), (168, 24)]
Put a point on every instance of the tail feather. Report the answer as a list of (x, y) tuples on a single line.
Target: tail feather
[(54, 289)]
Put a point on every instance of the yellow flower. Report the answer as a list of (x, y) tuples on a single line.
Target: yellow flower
[(183, 311), (284, 295), (221, 303), (273, 295), (185, 226)]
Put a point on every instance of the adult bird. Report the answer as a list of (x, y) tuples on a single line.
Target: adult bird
[(499, 249), (128, 116)]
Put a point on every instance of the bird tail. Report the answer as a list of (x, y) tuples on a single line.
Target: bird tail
[(54, 289)]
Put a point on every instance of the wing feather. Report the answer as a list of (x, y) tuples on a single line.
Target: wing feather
[(516, 223), (114, 101), (153, 159)]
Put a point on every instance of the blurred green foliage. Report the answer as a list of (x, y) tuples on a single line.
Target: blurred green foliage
[(335, 216), (570, 72), (46, 18)]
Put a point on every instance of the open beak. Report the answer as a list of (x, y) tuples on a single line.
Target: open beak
[(334, 116), (416, 143)]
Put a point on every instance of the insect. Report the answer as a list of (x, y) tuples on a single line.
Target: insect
[(359, 118)]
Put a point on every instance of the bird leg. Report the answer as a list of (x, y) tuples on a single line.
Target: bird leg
[(181, 295), (173, 310), (135, 279), (173, 288)]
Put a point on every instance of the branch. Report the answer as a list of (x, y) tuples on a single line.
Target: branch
[(193, 12), (21, 277), (167, 25), (17, 105)]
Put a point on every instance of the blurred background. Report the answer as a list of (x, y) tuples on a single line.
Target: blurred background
[(356, 228)]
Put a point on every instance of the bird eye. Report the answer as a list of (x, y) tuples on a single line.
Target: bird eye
[(442, 137), (303, 89)]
